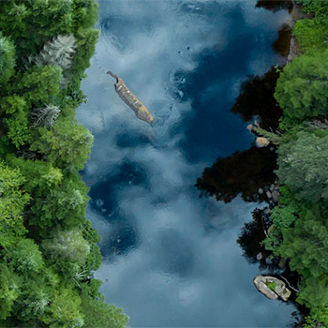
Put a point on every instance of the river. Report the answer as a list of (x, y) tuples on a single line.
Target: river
[(170, 256)]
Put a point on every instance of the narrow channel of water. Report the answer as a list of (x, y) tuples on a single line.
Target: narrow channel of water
[(170, 257)]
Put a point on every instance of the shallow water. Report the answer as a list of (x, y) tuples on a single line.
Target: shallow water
[(170, 257)]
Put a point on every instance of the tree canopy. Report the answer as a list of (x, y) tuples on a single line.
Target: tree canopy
[(302, 89), (299, 230), (48, 249)]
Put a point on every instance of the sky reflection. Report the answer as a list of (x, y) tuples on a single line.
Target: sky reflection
[(170, 257)]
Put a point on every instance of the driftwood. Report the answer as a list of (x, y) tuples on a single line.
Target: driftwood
[(131, 100)]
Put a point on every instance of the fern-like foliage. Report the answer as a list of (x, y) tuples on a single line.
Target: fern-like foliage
[(45, 116), (57, 52)]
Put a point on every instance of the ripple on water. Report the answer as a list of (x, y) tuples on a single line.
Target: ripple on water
[(171, 258)]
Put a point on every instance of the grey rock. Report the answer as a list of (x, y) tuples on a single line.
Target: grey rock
[(275, 196), (272, 287), (262, 142), (259, 256)]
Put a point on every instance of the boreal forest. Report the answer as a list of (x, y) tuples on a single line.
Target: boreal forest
[(300, 221), (48, 248)]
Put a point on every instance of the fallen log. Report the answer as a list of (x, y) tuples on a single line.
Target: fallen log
[(131, 100)]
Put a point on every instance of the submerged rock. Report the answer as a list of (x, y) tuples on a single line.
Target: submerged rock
[(131, 100), (272, 287), (262, 142)]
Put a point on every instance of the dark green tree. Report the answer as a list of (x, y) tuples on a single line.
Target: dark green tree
[(302, 89)]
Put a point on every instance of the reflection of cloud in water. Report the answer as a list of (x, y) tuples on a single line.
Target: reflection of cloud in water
[(182, 265)]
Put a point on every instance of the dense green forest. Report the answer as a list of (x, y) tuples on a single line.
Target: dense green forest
[(48, 249), (300, 226)]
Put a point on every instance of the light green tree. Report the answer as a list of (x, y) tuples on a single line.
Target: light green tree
[(12, 202), (67, 144), (69, 245), (10, 285), (302, 89), (7, 59), (303, 166), (25, 256)]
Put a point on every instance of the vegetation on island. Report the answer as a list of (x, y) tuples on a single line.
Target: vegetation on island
[(48, 249)]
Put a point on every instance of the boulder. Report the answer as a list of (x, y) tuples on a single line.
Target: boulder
[(272, 287), (275, 196), (262, 142)]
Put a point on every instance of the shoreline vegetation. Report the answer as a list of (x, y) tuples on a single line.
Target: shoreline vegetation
[(289, 237), (299, 230), (48, 249)]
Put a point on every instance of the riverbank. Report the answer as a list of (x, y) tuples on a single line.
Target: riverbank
[(48, 248), (297, 13), (299, 225)]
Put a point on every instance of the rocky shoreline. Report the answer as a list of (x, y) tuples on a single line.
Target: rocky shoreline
[(296, 14), (270, 286)]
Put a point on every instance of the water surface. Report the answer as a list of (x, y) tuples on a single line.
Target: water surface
[(171, 257)]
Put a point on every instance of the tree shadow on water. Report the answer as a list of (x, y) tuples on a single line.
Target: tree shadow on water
[(256, 99), (251, 174), (244, 172), (275, 5)]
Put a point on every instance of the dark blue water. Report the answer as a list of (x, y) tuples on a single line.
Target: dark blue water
[(171, 257)]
